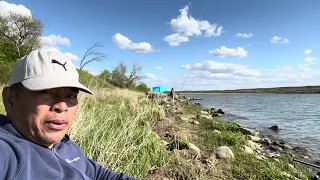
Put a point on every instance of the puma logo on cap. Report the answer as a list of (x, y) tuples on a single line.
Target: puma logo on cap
[(57, 62)]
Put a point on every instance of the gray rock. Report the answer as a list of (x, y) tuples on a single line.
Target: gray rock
[(224, 152), (266, 141), (205, 116), (254, 145), (274, 128), (276, 143), (216, 115), (254, 138), (247, 149), (195, 149), (275, 148), (204, 112), (183, 118), (195, 122), (220, 111), (247, 131), (260, 157), (285, 146)]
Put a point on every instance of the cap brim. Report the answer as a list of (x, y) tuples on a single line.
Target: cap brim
[(43, 83)]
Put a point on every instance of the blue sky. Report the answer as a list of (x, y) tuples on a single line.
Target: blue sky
[(206, 44)]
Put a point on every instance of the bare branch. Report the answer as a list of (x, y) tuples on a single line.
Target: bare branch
[(92, 55)]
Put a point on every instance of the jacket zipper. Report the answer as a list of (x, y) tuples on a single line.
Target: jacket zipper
[(56, 153)]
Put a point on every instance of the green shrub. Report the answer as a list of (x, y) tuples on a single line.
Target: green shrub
[(5, 70), (92, 81)]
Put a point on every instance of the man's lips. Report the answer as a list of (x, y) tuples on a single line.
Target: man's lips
[(56, 124)]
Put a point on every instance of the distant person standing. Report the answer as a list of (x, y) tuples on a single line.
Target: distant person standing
[(172, 94)]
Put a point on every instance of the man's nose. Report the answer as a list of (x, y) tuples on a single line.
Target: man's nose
[(60, 107)]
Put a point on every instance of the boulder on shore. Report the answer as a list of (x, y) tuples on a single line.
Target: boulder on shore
[(247, 150), (247, 131), (266, 141), (254, 145), (195, 149), (254, 138), (274, 128), (220, 111), (204, 112), (224, 152), (285, 146)]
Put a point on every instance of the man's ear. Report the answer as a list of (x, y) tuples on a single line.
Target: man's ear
[(7, 98)]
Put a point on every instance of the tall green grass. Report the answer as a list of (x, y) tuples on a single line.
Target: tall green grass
[(114, 128)]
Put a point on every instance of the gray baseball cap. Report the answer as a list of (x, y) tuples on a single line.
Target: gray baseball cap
[(43, 69)]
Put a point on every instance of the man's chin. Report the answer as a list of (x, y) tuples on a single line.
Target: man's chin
[(52, 138)]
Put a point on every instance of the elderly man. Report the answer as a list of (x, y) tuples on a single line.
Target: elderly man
[(41, 103)]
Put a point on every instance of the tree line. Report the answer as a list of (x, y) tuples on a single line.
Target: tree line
[(20, 34)]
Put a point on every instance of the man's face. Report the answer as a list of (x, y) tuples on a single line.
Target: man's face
[(44, 117)]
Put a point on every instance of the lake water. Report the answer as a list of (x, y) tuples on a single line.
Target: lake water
[(297, 115)]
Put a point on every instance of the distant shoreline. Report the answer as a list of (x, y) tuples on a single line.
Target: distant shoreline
[(240, 93), (275, 90)]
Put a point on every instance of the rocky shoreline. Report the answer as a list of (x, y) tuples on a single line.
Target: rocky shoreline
[(211, 148), (266, 145)]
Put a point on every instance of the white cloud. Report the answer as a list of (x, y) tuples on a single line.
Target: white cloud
[(229, 52), (176, 39), (6, 7), (148, 76), (53, 40), (187, 66), (185, 26), (159, 68), (279, 40), (308, 51), (52, 43), (286, 68), (244, 35), (304, 67), (310, 60), (71, 56), (125, 43), (222, 68)]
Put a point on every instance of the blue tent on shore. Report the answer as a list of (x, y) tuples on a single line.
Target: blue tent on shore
[(159, 89)]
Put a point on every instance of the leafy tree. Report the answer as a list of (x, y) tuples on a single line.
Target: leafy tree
[(21, 31), (105, 75), (133, 76), (142, 87), (118, 75)]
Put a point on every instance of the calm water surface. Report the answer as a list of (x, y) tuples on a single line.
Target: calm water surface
[(297, 115)]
